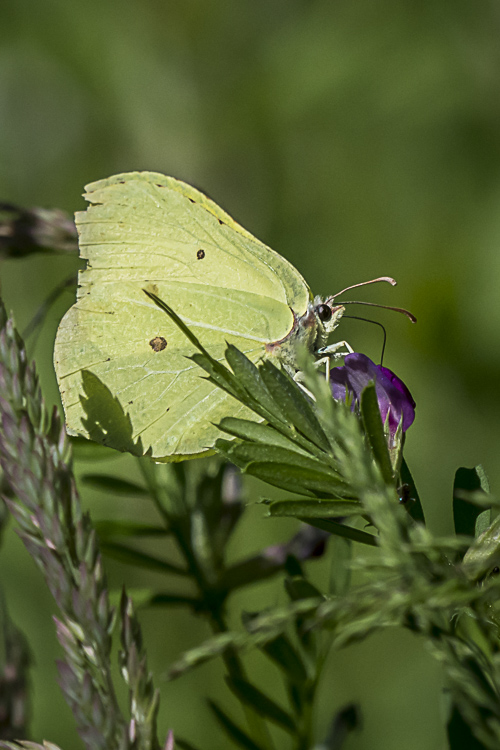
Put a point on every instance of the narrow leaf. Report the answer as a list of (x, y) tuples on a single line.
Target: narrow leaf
[(258, 433), (372, 421), (344, 722), (300, 508), (294, 404), (341, 529), (484, 552), (298, 479), (235, 732), (256, 568), (140, 559), (164, 598), (247, 453), (109, 528), (460, 735), (263, 705), (413, 506), (115, 485), (281, 651), (300, 588), (250, 377), (466, 515), (340, 549)]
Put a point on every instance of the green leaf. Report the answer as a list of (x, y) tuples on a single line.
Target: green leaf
[(300, 508), (340, 552), (342, 529), (250, 378), (164, 598), (294, 404), (470, 519), (281, 651), (218, 374), (235, 732), (345, 721), (110, 528), (146, 597), (140, 559), (246, 453), (460, 735), (414, 506), (27, 745), (300, 588), (374, 429), (263, 705), (256, 568), (484, 552), (309, 482), (258, 433), (118, 486)]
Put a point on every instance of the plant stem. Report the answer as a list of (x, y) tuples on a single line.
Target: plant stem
[(212, 600)]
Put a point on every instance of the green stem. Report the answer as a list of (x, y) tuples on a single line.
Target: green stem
[(180, 532), (256, 724)]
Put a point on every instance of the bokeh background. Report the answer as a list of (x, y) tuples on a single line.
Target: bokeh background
[(357, 139)]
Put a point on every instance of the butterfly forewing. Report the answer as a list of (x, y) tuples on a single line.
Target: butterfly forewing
[(145, 230)]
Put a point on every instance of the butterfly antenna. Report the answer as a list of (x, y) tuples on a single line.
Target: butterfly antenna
[(376, 323), (389, 280), (401, 310)]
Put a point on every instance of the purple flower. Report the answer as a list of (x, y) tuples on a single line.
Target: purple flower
[(394, 399)]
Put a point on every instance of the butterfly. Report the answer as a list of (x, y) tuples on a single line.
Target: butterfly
[(123, 366)]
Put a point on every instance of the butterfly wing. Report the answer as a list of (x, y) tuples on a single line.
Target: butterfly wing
[(121, 363)]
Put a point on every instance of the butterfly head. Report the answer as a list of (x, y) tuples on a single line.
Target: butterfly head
[(327, 314), (323, 316)]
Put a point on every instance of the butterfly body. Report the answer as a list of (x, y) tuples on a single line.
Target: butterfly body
[(122, 365)]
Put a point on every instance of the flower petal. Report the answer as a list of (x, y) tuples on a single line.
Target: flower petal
[(393, 396)]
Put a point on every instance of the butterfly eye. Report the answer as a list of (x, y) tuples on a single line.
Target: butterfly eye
[(324, 312)]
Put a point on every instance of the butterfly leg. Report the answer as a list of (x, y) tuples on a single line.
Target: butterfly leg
[(331, 352), (327, 354)]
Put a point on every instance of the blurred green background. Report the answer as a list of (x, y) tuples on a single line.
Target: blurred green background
[(357, 139)]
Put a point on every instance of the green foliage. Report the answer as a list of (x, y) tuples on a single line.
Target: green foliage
[(468, 517), (353, 137), (36, 460), (15, 660), (416, 581), (314, 448), (337, 463), (28, 746)]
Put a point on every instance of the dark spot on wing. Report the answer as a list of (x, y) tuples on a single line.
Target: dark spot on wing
[(192, 201), (108, 359), (158, 344), (200, 254), (220, 221)]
